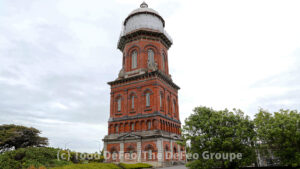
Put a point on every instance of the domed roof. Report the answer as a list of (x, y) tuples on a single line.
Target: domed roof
[(144, 9), (143, 19)]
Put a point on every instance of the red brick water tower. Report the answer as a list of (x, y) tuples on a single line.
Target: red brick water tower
[(144, 124)]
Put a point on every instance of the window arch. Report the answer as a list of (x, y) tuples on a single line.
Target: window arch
[(149, 125), (150, 56), (168, 104), (134, 59), (175, 149), (147, 99), (117, 129), (167, 148), (113, 149), (149, 148), (132, 126), (132, 102), (161, 100), (130, 150), (174, 106), (119, 104)]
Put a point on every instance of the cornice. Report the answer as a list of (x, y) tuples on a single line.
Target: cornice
[(156, 73)]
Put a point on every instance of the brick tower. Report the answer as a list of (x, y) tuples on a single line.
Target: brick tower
[(144, 123)]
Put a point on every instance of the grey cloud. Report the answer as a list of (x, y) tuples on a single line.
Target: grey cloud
[(48, 79)]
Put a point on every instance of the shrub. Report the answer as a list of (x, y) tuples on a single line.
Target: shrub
[(135, 166), (89, 166), (24, 158), (75, 157)]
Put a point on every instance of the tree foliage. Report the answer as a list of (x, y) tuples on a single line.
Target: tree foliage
[(220, 132), (23, 158), (280, 133), (15, 136)]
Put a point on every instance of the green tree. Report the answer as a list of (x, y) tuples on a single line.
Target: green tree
[(15, 136), (220, 132), (280, 134)]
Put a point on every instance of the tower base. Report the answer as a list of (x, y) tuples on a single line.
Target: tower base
[(156, 147)]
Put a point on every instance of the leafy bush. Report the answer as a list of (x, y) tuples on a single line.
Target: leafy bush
[(24, 158), (135, 166), (77, 157), (89, 166)]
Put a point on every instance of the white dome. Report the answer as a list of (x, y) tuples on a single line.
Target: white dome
[(143, 17)]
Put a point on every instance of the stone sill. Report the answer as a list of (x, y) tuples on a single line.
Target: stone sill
[(148, 109)]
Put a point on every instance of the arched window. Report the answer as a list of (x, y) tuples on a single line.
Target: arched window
[(167, 148), (149, 125), (163, 62), (175, 150), (150, 56), (149, 149), (147, 99), (134, 59), (160, 101), (119, 104), (169, 107), (130, 149), (114, 153), (132, 102), (117, 128), (174, 107)]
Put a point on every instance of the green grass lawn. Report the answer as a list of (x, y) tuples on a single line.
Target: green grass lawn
[(104, 166), (89, 166), (135, 166)]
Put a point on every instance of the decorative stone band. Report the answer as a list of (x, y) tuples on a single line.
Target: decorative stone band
[(139, 116), (156, 73), (143, 33)]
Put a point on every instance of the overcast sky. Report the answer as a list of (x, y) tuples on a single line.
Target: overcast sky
[(56, 57)]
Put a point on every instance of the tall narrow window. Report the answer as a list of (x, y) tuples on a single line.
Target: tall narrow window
[(149, 125), (147, 99), (150, 56), (134, 59), (163, 62), (119, 104), (132, 102), (168, 104), (117, 129), (174, 107), (160, 100), (132, 126)]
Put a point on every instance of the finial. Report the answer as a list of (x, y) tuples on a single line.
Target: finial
[(144, 5)]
